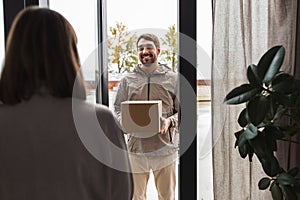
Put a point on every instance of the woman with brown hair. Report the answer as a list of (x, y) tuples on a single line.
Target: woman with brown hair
[(45, 153)]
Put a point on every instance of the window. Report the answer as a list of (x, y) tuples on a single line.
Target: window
[(158, 17), (204, 145), (138, 20), (83, 17)]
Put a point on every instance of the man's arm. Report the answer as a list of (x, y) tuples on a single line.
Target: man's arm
[(171, 121), (174, 117), (121, 95)]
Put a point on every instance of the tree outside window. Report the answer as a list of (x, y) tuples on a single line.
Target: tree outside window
[(122, 51)]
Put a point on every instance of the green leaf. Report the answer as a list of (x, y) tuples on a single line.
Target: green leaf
[(264, 183), (281, 99), (297, 83), (249, 133), (286, 179), (258, 144), (270, 63), (252, 75), (289, 130), (289, 193), (242, 120), (242, 139), (273, 132), (244, 150), (276, 192), (251, 153), (273, 108), (237, 136), (270, 142), (294, 171), (257, 109), (270, 165), (283, 83), (279, 112), (241, 94), (243, 145), (295, 97), (275, 65)]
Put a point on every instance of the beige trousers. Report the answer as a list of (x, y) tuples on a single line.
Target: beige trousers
[(164, 176)]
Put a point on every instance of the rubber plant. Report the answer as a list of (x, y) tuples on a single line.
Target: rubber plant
[(271, 113)]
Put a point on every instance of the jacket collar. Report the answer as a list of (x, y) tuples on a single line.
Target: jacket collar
[(161, 69)]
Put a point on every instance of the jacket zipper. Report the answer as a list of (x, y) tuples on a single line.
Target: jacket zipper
[(170, 135), (148, 97)]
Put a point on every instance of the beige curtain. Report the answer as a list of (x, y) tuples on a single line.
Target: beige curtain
[(296, 148), (282, 27), (243, 31)]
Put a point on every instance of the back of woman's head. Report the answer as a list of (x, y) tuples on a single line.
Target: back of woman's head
[(41, 53)]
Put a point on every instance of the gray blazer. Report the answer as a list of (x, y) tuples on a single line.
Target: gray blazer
[(47, 154)]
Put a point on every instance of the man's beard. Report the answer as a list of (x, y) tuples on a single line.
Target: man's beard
[(149, 62)]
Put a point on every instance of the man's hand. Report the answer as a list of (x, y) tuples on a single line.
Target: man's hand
[(165, 124)]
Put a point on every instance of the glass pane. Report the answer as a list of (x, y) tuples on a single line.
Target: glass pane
[(134, 18), (204, 146), (137, 21), (2, 39), (83, 17)]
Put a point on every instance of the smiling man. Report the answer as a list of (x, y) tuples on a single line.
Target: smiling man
[(157, 153)]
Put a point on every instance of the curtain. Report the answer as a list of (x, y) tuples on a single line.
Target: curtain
[(282, 30), (242, 32), (296, 149)]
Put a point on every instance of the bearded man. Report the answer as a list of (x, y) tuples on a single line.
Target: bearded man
[(151, 80)]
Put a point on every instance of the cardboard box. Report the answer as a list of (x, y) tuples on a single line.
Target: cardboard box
[(141, 118)]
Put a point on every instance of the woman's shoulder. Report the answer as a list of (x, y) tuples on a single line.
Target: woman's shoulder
[(100, 110), (103, 109)]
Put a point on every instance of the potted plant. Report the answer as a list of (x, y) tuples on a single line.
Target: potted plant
[(271, 113)]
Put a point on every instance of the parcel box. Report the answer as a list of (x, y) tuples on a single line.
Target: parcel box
[(141, 117)]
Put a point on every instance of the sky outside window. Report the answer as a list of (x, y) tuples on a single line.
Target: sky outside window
[(140, 14), (83, 17)]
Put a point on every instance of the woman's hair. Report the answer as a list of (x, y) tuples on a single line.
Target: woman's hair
[(41, 53)]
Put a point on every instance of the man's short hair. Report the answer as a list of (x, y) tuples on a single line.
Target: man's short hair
[(150, 37)]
